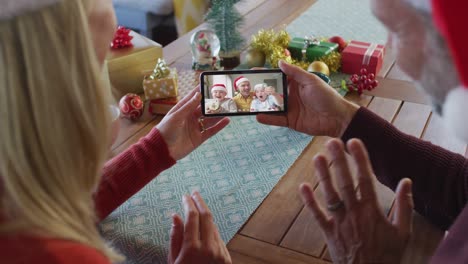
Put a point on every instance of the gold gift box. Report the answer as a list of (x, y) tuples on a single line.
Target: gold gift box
[(161, 88), (128, 66)]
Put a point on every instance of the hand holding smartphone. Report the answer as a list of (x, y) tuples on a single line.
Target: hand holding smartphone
[(246, 92)]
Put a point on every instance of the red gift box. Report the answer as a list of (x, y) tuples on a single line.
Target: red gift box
[(162, 106), (358, 55)]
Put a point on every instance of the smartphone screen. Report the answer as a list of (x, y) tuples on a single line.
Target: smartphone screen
[(246, 92)]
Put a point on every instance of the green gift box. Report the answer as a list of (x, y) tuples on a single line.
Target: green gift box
[(313, 49)]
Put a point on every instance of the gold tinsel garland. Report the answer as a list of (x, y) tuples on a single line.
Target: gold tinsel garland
[(274, 45)]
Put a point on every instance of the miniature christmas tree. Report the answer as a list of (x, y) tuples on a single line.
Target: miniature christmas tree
[(225, 20)]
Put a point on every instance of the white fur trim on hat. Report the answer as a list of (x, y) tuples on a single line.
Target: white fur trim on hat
[(13, 8), (241, 80), (221, 88), (455, 112)]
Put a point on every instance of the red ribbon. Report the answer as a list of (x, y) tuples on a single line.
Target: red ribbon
[(122, 38)]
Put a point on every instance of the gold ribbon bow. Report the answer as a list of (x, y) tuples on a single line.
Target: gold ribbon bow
[(161, 70)]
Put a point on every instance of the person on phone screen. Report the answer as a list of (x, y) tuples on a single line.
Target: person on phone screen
[(263, 101), (219, 103), (245, 96), (270, 90)]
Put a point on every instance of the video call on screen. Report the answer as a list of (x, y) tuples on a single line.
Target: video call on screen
[(243, 93)]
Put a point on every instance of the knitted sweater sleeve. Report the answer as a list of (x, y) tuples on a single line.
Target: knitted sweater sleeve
[(125, 174), (439, 176)]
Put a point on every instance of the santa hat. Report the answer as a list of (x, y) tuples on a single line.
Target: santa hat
[(239, 80), (449, 17), (218, 87), (13, 8)]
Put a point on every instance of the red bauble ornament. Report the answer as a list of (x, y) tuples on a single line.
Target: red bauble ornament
[(131, 106), (340, 41)]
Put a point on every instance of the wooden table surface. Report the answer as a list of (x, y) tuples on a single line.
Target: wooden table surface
[(281, 230)]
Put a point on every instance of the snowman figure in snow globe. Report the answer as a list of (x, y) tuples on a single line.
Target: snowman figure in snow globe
[(205, 47)]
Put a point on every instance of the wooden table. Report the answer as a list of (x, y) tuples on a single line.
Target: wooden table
[(281, 230)]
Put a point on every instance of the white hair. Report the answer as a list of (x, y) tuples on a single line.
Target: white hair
[(260, 86)]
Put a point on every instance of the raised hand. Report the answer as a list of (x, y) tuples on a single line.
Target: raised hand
[(314, 107), (355, 228), (197, 241), (184, 129)]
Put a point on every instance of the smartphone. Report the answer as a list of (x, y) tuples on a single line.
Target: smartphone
[(243, 92)]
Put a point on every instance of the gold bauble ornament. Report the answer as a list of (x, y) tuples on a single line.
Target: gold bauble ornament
[(319, 66), (254, 58)]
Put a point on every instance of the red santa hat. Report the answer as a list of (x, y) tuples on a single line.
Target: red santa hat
[(218, 87), (238, 81), (449, 17), (13, 8)]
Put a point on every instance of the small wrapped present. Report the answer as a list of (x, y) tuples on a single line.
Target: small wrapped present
[(162, 106), (127, 66), (362, 55), (310, 49), (161, 83)]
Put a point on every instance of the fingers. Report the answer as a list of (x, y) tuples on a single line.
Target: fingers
[(212, 121), (326, 184), (307, 195), (189, 107), (342, 172), (212, 130), (274, 120), (177, 237), (207, 227), (364, 169), (184, 100), (192, 225), (297, 73), (404, 205)]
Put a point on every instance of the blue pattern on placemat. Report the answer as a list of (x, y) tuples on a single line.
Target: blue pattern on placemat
[(234, 171)]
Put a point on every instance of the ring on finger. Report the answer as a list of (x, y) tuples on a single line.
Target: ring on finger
[(335, 206), (202, 125)]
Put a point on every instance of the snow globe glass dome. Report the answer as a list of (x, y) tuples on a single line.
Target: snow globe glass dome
[(205, 48)]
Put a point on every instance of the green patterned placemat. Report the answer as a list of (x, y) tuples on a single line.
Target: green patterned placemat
[(236, 169)]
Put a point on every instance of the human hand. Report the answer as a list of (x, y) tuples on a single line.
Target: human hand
[(356, 230), (314, 107), (182, 129), (406, 29), (198, 240)]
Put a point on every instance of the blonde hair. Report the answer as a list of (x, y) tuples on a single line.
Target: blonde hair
[(55, 124)]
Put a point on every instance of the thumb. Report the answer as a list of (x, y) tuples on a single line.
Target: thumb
[(403, 218), (189, 107), (273, 120), (177, 236), (296, 73)]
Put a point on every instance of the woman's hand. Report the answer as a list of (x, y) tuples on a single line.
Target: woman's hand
[(197, 240), (182, 128), (355, 228), (314, 107)]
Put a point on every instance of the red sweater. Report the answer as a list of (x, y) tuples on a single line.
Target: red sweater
[(123, 176), (440, 178)]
